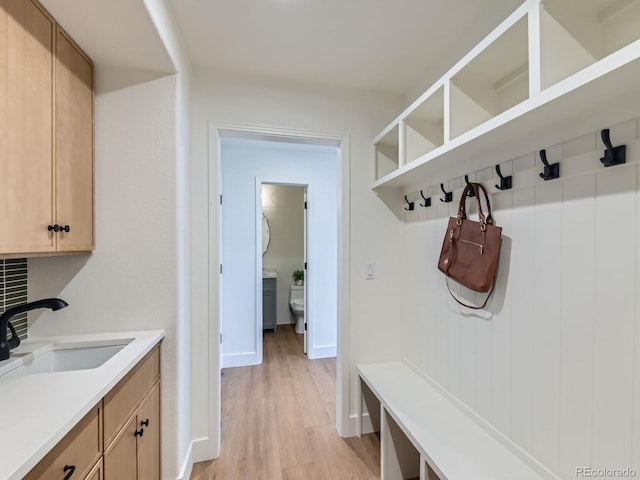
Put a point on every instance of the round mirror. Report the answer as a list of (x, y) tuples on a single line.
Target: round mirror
[(265, 234)]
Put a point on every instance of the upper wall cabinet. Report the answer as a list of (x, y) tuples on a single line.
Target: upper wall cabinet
[(74, 146), (553, 70), (46, 135)]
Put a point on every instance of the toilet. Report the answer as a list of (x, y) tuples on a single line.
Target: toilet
[(296, 304)]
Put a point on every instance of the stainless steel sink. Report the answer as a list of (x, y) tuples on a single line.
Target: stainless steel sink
[(65, 357)]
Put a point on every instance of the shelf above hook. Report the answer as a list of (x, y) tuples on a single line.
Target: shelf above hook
[(505, 182), (448, 196), (612, 155), (550, 171), (427, 200), (411, 205)]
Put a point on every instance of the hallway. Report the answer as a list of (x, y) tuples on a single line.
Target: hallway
[(278, 421)]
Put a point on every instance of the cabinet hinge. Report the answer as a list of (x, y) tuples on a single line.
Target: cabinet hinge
[(305, 326), (220, 199), (220, 339), (220, 268), (305, 265), (305, 205)]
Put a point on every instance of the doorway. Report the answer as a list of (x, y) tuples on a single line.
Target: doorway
[(209, 447), (282, 258)]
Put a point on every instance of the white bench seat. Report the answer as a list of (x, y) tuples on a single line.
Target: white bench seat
[(454, 444)]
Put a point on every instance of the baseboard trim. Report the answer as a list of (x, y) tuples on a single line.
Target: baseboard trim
[(204, 450), (187, 465), (325, 351), (239, 360), (367, 425)]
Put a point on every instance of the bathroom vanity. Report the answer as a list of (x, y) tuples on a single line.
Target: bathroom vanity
[(269, 299)]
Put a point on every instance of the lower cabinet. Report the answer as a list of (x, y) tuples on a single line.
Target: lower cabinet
[(135, 452), (96, 472), (119, 439), (76, 454)]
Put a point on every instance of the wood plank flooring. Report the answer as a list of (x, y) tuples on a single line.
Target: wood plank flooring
[(278, 421)]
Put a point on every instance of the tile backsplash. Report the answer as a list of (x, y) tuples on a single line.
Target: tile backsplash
[(13, 291)]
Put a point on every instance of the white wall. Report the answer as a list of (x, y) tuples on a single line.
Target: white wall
[(374, 230), (555, 365), (138, 276), (283, 206), (244, 161)]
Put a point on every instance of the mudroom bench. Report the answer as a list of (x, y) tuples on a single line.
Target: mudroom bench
[(426, 434)]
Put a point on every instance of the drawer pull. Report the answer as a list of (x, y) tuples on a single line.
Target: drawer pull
[(144, 423), (139, 433), (70, 469)]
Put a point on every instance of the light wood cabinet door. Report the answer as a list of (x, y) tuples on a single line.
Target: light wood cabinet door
[(149, 442), (26, 127), (76, 453), (96, 473), (73, 146), (120, 459)]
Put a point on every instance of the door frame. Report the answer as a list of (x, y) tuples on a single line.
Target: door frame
[(211, 445), (308, 312)]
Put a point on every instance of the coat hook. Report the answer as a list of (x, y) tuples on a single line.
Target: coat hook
[(505, 182), (412, 205), (448, 196), (612, 155), (471, 192), (550, 171), (427, 200)]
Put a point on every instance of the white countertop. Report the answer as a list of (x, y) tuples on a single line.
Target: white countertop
[(38, 410)]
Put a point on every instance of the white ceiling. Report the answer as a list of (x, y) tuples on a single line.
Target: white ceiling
[(385, 45), (382, 45)]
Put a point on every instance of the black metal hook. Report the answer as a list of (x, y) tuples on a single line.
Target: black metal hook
[(448, 196), (612, 155), (412, 205), (427, 200), (505, 182), (550, 171), (471, 192)]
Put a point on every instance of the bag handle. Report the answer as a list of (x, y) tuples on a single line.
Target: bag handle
[(462, 213), (489, 218)]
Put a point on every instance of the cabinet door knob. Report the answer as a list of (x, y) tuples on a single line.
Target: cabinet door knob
[(139, 433), (144, 423), (55, 228), (69, 469), (66, 229)]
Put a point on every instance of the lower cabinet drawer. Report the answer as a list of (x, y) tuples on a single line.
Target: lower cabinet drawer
[(76, 454)]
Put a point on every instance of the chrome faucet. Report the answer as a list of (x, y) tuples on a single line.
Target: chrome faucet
[(6, 345)]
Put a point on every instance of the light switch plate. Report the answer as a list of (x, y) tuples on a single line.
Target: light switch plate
[(371, 271)]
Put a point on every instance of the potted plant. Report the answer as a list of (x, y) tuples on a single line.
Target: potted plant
[(298, 277)]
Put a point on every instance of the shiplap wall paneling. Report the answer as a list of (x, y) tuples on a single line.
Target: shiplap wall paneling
[(501, 321), (615, 220), (576, 363), (547, 297), (636, 395), (522, 323)]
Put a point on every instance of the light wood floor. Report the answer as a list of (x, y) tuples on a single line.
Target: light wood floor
[(278, 421)]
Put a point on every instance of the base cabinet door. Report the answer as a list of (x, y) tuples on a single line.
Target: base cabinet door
[(149, 441), (96, 473), (120, 459)]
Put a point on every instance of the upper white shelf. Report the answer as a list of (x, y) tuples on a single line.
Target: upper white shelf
[(552, 71)]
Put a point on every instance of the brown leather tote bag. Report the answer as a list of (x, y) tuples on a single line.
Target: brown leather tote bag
[(471, 249)]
